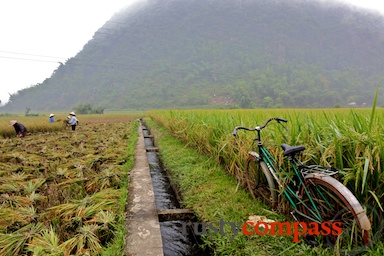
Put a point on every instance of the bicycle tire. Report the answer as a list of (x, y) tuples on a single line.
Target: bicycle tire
[(342, 206), (260, 182)]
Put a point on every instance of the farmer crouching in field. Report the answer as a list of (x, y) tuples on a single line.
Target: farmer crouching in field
[(20, 129), (73, 121), (51, 118)]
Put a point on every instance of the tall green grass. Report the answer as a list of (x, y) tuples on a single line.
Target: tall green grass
[(348, 139)]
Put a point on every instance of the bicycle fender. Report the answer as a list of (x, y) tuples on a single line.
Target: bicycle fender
[(347, 195)]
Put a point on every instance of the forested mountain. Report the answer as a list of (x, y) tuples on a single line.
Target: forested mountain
[(238, 53)]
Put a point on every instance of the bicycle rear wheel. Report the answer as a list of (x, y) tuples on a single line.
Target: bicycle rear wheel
[(336, 203), (260, 182)]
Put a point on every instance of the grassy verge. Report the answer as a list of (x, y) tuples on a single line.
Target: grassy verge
[(118, 244), (216, 196)]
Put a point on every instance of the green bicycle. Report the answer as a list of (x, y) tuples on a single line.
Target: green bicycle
[(313, 194)]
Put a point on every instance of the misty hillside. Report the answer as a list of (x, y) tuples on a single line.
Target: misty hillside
[(221, 53)]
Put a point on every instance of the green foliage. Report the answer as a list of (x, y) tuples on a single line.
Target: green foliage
[(27, 110), (350, 140), (213, 195), (88, 109), (293, 53)]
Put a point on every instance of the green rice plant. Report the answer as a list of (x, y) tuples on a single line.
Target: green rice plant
[(86, 207), (14, 201), (46, 243), (107, 178), (84, 242), (10, 187), (14, 243), (215, 196), (9, 217), (32, 185), (107, 225), (105, 219), (348, 139)]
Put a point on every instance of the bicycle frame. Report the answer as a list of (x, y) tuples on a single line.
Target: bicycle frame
[(288, 190), (314, 196)]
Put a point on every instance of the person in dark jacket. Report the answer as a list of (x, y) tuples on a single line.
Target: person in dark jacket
[(20, 129)]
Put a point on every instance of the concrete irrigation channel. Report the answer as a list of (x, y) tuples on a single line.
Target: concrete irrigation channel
[(155, 222)]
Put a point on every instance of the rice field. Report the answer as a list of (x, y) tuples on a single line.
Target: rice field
[(349, 139), (63, 192)]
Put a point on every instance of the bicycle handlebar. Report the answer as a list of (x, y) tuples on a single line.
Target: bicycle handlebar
[(278, 119)]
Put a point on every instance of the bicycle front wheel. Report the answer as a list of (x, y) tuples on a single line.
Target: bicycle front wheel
[(325, 199), (260, 182)]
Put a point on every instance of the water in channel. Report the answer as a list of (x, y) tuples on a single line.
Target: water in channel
[(175, 241)]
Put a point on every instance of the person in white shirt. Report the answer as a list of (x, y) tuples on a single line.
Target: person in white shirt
[(73, 120)]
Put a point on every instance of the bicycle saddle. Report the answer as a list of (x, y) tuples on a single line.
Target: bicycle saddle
[(291, 150)]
